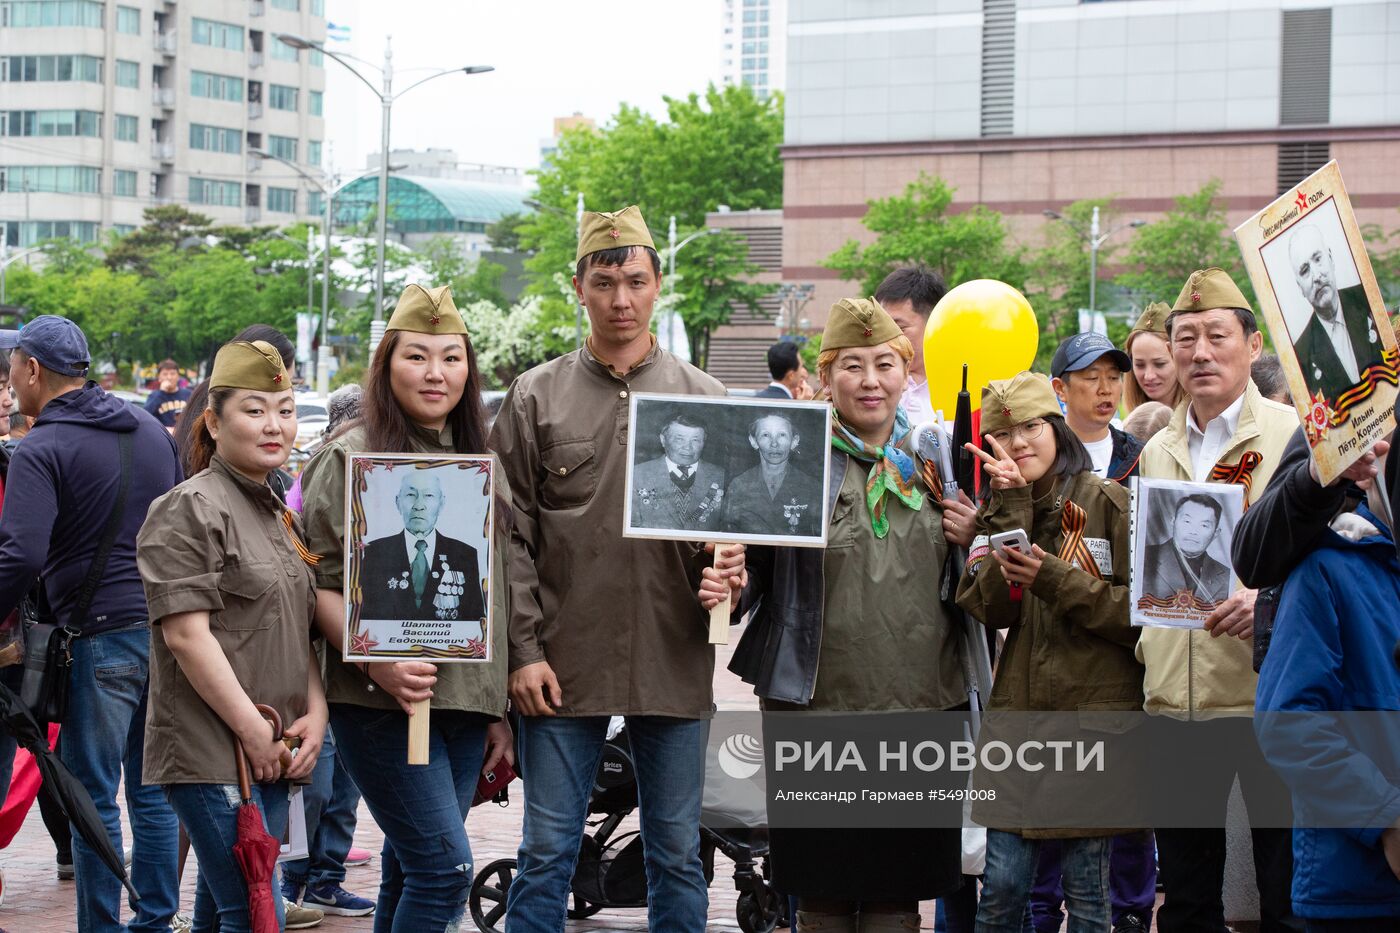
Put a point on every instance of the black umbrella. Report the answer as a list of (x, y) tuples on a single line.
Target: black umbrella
[(67, 790), (962, 434)]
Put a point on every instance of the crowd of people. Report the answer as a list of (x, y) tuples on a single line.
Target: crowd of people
[(203, 586)]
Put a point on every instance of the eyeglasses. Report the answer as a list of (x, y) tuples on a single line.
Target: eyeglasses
[(1030, 430)]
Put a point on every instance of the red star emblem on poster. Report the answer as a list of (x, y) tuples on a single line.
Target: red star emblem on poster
[(362, 643), (1302, 201)]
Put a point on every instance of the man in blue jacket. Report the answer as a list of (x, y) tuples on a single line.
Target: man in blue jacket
[(1328, 672), (64, 482)]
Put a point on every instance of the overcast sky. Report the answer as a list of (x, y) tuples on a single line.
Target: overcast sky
[(552, 58)]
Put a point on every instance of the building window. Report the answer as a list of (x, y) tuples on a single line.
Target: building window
[(216, 34), (218, 87), (129, 20), (293, 5), (51, 68), (215, 139), (313, 152), (219, 193), (282, 200), (315, 202), (21, 13), (50, 123), (284, 52), (316, 58), (125, 128), (283, 147), (124, 183), (30, 232), (123, 229), (56, 179), (128, 74), (318, 7), (281, 97), (314, 103)]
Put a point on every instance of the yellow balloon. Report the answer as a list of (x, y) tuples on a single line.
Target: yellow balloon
[(986, 324)]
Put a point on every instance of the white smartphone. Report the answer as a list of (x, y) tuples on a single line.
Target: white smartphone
[(1015, 539)]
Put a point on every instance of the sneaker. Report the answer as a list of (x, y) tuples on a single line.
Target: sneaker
[(357, 856), (1131, 923), (292, 891), (333, 899), (181, 923), (65, 869), (301, 918)]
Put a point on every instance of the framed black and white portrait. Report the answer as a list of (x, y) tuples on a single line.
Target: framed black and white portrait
[(418, 558), (742, 470), (1181, 537)]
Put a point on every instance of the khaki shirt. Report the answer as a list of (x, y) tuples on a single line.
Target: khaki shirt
[(217, 543), (472, 686), (616, 618), (1191, 675)]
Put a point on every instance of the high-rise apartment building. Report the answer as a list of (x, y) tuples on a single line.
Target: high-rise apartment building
[(108, 107), (754, 44)]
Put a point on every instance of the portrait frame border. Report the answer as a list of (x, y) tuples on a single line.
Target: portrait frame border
[(356, 465), (728, 402)]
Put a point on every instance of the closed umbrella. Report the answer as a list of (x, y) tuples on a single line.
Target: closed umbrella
[(68, 791), (962, 434), (256, 850)]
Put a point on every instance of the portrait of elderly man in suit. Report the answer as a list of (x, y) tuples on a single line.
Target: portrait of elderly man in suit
[(1340, 339), (419, 573), (775, 497), (1181, 562), (678, 489)]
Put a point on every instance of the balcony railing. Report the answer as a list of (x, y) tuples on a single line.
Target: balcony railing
[(255, 109), (255, 59), (163, 152), (252, 214), (163, 97), (165, 42)]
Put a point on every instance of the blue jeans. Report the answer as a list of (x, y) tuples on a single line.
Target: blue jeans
[(426, 863), (104, 735), (209, 813), (331, 800), (559, 759), (1011, 869)]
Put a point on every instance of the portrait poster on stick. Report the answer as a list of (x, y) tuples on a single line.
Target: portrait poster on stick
[(728, 470), (418, 558), (1327, 318), (1181, 534)]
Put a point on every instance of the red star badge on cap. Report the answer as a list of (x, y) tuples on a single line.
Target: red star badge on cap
[(1195, 298), (435, 320), (277, 378), (1005, 412), (867, 332), (614, 233)]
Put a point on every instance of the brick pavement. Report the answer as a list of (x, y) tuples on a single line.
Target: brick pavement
[(36, 902)]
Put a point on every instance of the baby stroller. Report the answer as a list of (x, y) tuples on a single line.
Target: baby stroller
[(610, 870)]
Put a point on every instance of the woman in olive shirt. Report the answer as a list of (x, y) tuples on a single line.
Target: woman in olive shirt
[(232, 595), (871, 605), (422, 396)]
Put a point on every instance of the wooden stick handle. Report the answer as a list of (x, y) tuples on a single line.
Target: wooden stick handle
[(719, 615), (418, 733)]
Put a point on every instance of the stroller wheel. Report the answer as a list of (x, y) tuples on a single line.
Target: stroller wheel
[(579, 908), (758, 911), (487, 899)]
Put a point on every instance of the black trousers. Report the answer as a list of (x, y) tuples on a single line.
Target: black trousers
[(1356, 925), (1202, 760)]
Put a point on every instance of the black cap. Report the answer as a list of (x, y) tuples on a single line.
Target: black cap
[(56, 342), (1081, 350)]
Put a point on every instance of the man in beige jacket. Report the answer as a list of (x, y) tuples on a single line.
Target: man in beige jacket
[(1224, 431)]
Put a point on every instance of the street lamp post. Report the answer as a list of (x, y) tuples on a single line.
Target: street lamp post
[(386, 102), (7, 259), (671, 250), (1095, 239), (328, 191)]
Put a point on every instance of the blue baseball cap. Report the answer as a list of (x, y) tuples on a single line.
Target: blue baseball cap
[(1081, 350), (56, 342)]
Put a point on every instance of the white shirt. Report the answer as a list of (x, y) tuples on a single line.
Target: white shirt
[(682, 471), (785, 389), (1341, 342), (916, 402), (1101, 452), (1205, 446), (410, 542)]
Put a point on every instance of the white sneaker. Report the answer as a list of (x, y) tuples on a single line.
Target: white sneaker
[(181, 923)]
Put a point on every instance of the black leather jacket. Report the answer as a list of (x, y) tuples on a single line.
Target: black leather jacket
[(787, 589)]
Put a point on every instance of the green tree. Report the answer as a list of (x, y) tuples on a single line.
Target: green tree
[(1384, 249), (717, 278), (504, 233), (717, 148), (167, 228), (445, 263), (1195, 234), (918, 226)]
